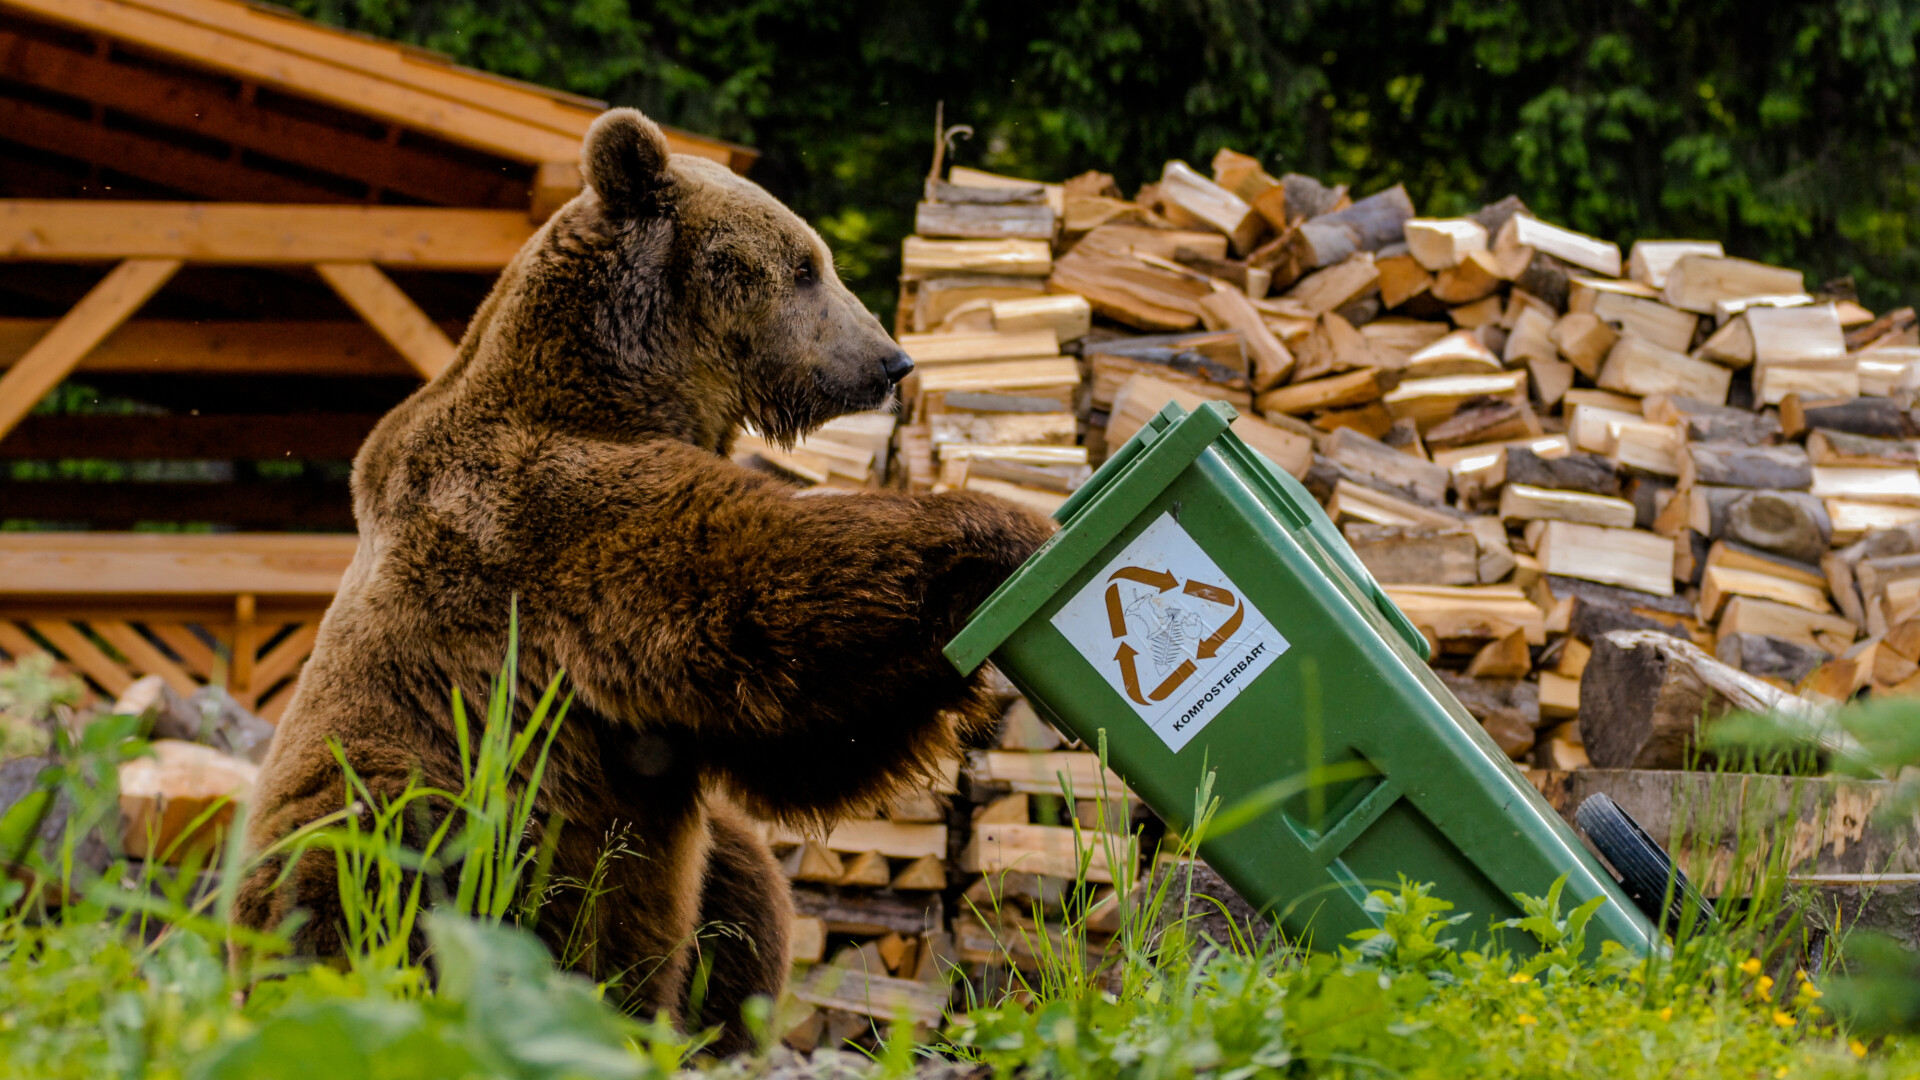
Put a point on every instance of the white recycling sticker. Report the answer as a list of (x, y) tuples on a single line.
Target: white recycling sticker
[(1169, 631)]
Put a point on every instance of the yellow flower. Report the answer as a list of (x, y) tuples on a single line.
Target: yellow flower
[(1522, 977), (1763, 988), (1802, 975), (1525, 1020), (1784, 1019), (1666, 1013), (1859, 1048), (1751, 965), (1780, 1073)]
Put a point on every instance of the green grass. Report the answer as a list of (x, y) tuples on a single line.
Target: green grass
[(133, 973)]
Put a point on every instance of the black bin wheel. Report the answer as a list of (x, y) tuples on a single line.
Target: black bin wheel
[(1643, 865)]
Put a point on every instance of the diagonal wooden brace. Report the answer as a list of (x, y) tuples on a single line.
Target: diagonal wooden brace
[(391, 313), (99, 313)]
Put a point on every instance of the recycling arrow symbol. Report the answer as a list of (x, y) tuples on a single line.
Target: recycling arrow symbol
[(1164, 582)]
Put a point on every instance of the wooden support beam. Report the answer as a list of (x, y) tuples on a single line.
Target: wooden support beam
[(301, 436), (391, 313), (260, 234), (195, 107), (98, 313), (261, 505), (169, 347), (171, 564), (185, 171), (246, 645)]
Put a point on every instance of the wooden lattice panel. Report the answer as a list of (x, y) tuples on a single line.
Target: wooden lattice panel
[(110, 653)]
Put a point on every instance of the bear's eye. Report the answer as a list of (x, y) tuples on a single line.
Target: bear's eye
[(803, 273)]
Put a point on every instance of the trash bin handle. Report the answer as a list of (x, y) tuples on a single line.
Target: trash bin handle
[(1155, 460)]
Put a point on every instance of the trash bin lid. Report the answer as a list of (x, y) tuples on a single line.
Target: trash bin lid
[(1130, 479)]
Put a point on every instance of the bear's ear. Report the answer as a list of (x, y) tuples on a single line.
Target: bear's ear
[(625, 162)]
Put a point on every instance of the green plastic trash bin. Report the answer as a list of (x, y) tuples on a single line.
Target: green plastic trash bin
[(1198, 607)]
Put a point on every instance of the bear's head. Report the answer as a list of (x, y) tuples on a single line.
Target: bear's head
[(675, 297)]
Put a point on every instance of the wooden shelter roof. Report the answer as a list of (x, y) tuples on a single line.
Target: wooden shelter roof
[(232, 238), (239, 101)]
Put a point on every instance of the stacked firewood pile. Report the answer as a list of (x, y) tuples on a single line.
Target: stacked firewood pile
[(1532, 439)]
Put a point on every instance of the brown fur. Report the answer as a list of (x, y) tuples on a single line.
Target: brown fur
[(724, 638)]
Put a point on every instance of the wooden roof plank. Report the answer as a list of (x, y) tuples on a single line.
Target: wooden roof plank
[(353, 72), (151, 159), (160, 564), (451, 119), (261, 234), (202, 110)]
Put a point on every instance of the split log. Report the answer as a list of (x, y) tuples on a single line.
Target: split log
[(1704, 422), (1440, 243), (1309, 198), (1624, 557), (1526, 231), (1786, 334), (1790, 523), (1332, 392), (1515, 701), (1477, 275), (928, 258), (1375, 221), (1211, 204), (1807, 379), (1718, 584), (1229, 309), (1401, 276), (1639, 367), (1502, 658), (1696, 282), (1584, 340), (1493, 216), (1829, 447), (1644, 695), (1650, 260), (1416, 554), (868, 913), (1589, 620), (1829, 633), (1877, 417), (1898, 486), (1898, 327), (1758, 654), (1402, 471), (1482, 420), (1527, 503), (1547, 278), (973, 221), (1647, 319), (1335, 286), (1782, 468), (1590, 473)]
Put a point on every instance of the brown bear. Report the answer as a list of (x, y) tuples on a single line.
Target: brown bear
[(727, 641)]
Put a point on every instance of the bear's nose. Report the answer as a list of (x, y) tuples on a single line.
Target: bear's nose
[(898, 366)]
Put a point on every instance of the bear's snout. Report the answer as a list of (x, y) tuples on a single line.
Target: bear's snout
[(897, 366)]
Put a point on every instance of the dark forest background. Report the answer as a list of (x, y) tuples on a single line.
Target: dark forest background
[(1788, 130)]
